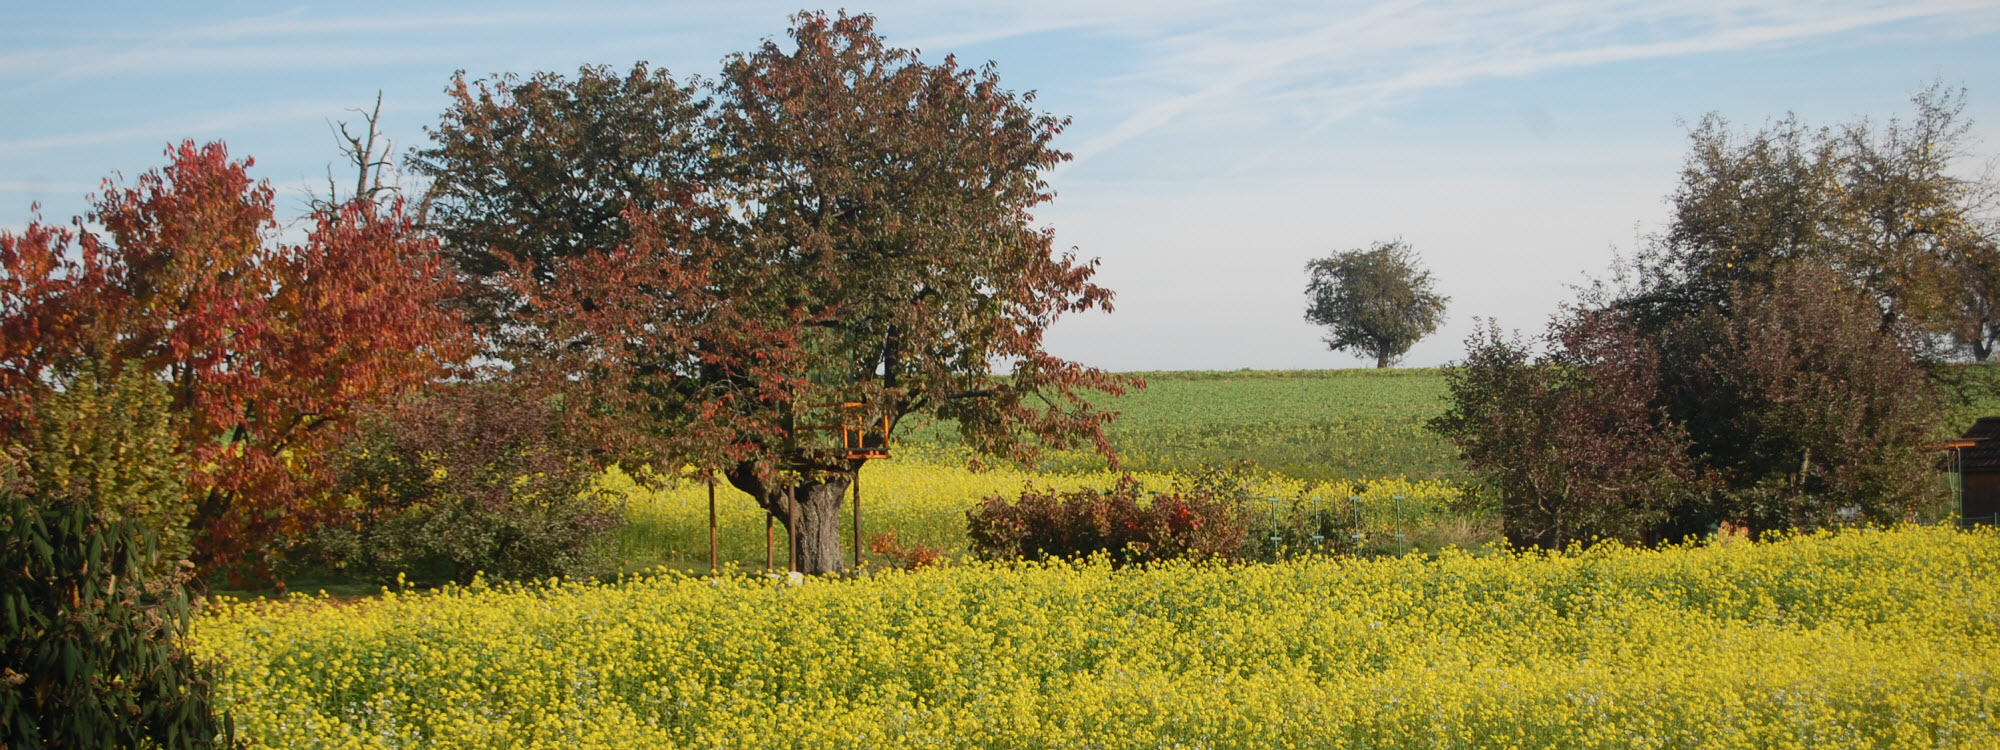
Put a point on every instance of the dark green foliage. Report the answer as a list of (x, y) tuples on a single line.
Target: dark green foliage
[(93, 616), (1792, 410), (1200, 521), (1378, 302), (466, 479)]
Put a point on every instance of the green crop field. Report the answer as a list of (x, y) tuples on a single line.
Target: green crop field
[(1305, 424)]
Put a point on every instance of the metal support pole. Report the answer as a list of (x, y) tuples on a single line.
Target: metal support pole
[(1359, 534), (1318, 538), (1401, 548), (1277, 539), (715, 547)]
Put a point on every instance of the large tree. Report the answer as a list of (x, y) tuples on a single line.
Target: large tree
[(856, 229), (1804, 412), (1889, 207), (1376, 302), (1807, 280), (265, 348)]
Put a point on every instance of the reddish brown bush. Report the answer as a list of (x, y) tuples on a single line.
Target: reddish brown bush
[(1190, 523), (913, 556)]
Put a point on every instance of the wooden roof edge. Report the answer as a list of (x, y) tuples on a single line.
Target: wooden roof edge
[(1950, 445)]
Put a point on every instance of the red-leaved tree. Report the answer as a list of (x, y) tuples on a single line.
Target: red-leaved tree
[(266, 347)]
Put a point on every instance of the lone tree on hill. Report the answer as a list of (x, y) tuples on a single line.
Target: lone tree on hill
[(1378, 301), (841, 223)]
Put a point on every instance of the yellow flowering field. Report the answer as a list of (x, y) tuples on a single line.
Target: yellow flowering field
[(925, 491), (1856, 639)]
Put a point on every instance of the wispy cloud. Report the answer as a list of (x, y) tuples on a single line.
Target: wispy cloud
[(198, 125), (302, 39), (44, 187), (1195, 60), (297, 39), (1329, 65)]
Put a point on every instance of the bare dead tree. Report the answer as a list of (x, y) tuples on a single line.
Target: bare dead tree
[(367, 154)]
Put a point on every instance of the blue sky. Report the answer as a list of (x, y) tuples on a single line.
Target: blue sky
[(1220, 145)]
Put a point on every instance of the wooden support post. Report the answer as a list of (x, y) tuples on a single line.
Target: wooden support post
[(857, 519), (714, 546)]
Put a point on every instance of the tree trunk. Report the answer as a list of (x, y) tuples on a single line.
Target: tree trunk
[(816, 529), (810, 513), (1381, 361)]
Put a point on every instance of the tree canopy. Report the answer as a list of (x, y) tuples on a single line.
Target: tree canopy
[(842, 222), (1377, 302), (1891, 208), (534, 171)]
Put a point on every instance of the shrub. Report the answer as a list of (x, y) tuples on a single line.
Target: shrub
[(912, 556), (1794, 407), (93, 616), (1573, 443), (1807, 409), (465, 479), (111, 443), (1193, 522)]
